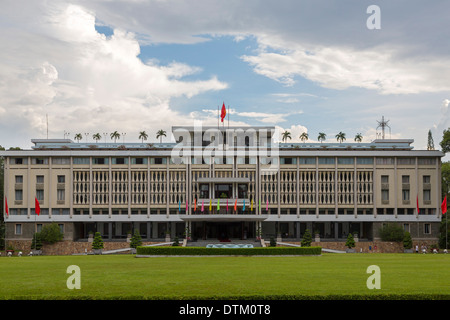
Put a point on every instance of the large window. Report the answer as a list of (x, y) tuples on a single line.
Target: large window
[(223, 191), (326, 160), (100, 160), (364, 160), (204, 191), (80, 160), (242, 191), (345, 160)]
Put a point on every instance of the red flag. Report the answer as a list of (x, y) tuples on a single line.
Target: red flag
[(417, 201), (37, 207), (235, 205), (444, 205), (224, 112), (6, 206)]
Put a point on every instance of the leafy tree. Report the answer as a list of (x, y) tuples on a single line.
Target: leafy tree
[(176, 243), (96, 137), (307, 239), (51, 233), (159, 134), (136, 240), (358, 137), (444, 232), (350, 243), (392, 232), (98, 241), (115, 135), (407, 240), (445, 143), (430, 144), (143, 136), (304, 136), (340, 137), (322, 136), (78, 137), (445, 176), (286, 135)]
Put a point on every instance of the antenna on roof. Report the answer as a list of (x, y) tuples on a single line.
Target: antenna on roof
[(383, 124)]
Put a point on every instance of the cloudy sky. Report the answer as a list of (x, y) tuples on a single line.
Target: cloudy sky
[(315, 66)]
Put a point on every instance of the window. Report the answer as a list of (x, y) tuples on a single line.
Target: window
[(61, 227), (19, 195), (406, 161), (119, 161), (345, 160), (242, 191), (427, 161), (326, 160), (426, 179), (204, 191), (39, 227), (19, 179), (18, 228), (60, 195), (385, 195), (39, 161), (40, 195), (100, 160), (405, 179), (61, 160), (138, 160), (364, 160), (19, 161), (405, 195), (426, 228), (307, 160), (61, 179), (39, 179), (406, 227), (80, 160), (158, 161), (384, 179), (385, 161), (426, 195), (288, 161)]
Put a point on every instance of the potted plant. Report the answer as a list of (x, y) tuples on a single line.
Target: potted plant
[(407, 242), (355, 236), (167, 236), (36, 244), (350, 244), (258, 234), (129, 236), (135, 241), (317, 236), (90, 236), (187, 234), (97, 244), (176, 243), (272, 243)]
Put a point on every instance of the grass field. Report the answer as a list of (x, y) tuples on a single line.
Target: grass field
[(330, 276)]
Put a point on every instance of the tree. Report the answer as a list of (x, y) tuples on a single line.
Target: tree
[(445, 143), (273, 242), (115, 135), (392, 232), (143, 136), (286, 135), (407, 240), (97, 243), (322, 136), (340, 137), (430, 144), (96, 137), (304, 136), (445, 176), (358, 137), (350, 243), (136, 240), (36, 242), (51, 233), (78, 137), (444, 234), (307, 239), (159, 134)]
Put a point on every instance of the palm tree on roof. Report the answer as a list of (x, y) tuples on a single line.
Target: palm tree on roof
[(322, 136), (96, 137), (143, 136), (159, 134), (115, 135), (358, 137), (340, 137), (286, 135), (78, 137), (304, 136)]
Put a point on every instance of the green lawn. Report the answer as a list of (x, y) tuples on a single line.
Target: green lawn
[(329, 276)]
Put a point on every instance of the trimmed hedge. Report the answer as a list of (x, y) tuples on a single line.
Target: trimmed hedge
[(202, 251)]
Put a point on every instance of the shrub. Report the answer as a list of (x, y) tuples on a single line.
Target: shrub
[(307, 239), (350, 243), (273, 242), (176, 243), (51, 233), (98, 241), (407, 241), (391, 232), (136, 240), (228, 251)]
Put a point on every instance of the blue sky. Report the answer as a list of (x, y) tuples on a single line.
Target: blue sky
[(96, 66)]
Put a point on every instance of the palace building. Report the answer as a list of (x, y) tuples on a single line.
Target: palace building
[(222, 183)]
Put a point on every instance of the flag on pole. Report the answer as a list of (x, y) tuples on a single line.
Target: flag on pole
[(210, 207), (218, 205), (235, 205), (186, 206), (251, 206), (417, 204), (203, 205), (259, 205), (179, 205), (243, 208), (195, 204), (37, 207), (444, 205), (6, 206), (223, 113), (227, 205), (267, 205)]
